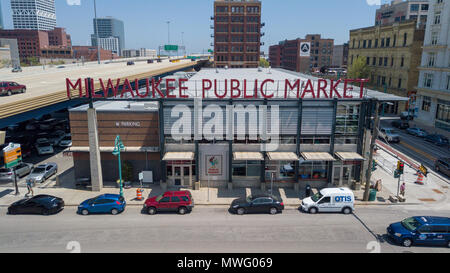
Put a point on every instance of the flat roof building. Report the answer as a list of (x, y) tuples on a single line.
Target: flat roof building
[(398, 11), (34, 14)]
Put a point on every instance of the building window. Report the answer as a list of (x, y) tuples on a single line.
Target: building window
[(317, 170), (374, 61), (380, 61), (414, 7), (388, 42), (382, 42), (399, 86), (246, 168), (428, 80), (426, 104), (431, 59), (402, 62), (443, 111), (405, 39), (385, 61), (448, 82), (434, 38), (282, 170), (437, 18), (347, 124), (376, 43)]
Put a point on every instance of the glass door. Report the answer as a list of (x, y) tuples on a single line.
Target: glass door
[(337, 175), (187, 176)]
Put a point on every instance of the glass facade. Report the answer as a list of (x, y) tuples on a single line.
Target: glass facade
[(443, 115)]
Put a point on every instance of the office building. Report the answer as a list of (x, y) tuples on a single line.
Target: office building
[(340, 55), (33, 14), (90, 53), (237, 33), (433, 95), (111, 44), (109, 28), (400, 11), (393, 55), (287, 54)]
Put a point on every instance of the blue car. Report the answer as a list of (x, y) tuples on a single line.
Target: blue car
[(421, 230), (106, 203)]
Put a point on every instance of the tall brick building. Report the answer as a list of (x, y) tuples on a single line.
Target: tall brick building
[(237, 33), (286, 54)]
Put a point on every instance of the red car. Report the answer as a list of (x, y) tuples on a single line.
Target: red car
[(9, 88), (176, 201)]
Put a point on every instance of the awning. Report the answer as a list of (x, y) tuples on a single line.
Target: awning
[(318, 157), (178, 156), (248, 156), (111, 149), (286, 156), (345, 156)]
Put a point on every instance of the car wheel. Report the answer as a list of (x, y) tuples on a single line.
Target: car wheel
[(22, 91), (313, 210), (182, 210), (347, 210), (273, 211), (85, 212), (45, 212), (9, 93), (407, 242), (151, 210), (114, 211), (241, 211)]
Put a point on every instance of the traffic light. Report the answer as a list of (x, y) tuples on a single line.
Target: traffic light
[(400, 167)]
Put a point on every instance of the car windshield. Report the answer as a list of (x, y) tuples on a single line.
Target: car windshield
[(390, 131), (316, 197), (159, 198), (249, 199), (39, 170), (411, 224), (4, 170)]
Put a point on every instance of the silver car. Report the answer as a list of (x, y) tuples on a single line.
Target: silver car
[(42, 172), (44, 147), (7, 174)]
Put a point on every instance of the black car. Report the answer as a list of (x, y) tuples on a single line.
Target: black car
[(443, 165), (437, 140), (39, 204), (130, 63), (263, 203), (400, 124)]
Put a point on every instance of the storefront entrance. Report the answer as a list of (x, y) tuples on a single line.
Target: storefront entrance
[(180, 175), (343, 175)]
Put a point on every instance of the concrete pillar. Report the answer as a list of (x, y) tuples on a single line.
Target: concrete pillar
[(94, 151)]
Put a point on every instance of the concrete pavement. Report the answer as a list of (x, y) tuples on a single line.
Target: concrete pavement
[(208, 230)]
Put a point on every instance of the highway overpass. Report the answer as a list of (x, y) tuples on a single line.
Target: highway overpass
[(46, 88)]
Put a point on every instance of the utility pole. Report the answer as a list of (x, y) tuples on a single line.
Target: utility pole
[(96, 30), (168, 35), (376, 124)]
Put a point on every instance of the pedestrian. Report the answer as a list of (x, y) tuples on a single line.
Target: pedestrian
[(402, 189), (30, 188)]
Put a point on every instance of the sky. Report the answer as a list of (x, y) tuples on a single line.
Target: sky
[(146, 27)]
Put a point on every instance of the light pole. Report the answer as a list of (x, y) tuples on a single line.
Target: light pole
[(96, 30), (168, 35), (118, 147)]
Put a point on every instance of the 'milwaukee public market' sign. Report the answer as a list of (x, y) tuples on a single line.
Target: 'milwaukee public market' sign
[(232, 88)]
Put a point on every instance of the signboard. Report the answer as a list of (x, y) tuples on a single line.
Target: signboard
[(2, 137), (12, 155), (305, 49), (170, 47), (128, 124), (423, 170), (213, 165)]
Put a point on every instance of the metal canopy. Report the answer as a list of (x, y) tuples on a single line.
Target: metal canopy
[(248, 156), (279, 156), (345, 156), (180, 156), (318, 157)]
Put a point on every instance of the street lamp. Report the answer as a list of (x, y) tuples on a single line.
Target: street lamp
[(119, 147), (96, 30)]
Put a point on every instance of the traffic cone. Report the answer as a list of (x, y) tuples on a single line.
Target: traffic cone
[(420, 179), (139, 194)]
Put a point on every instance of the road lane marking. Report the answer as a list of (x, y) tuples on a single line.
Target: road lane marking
[(418, 151)]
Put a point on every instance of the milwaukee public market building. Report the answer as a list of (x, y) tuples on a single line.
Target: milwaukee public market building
[(228, 128)]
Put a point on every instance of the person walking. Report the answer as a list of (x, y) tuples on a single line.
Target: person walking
[(402, 189), (30, 189)]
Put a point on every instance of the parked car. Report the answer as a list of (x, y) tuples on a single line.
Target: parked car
[(7, 174), (442, 165), (130, 63), (61, 66), (16, 70), (149, 61), (66, 141), (437, 139), (400, 124), (262, 203), (417, 132), (56, 137), (330, 200), (9, 88), (39, 204), (32, 125), (44, 147), (48, 124), (42, 172), (106, 203), (175, 201), (421, 230), (389, 135)]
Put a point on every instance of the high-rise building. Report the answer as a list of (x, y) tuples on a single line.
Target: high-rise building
[(237, 33), (111, 44), (34, 14), (399, 11), (2, 26), (287, 54), (109, 27), (433, 94)]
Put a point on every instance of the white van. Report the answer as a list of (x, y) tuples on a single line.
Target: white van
[(330, 200)]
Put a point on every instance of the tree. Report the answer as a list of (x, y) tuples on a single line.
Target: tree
[(359, 69), (263, 62)]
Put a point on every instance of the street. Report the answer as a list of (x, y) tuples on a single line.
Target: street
[(208, 230)]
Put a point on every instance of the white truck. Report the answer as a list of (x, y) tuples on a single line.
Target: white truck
[(330, 200)]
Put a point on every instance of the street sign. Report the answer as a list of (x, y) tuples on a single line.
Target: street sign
[(2, 137), (305, 49), (423, 170), (170, 47), (12, 155)]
